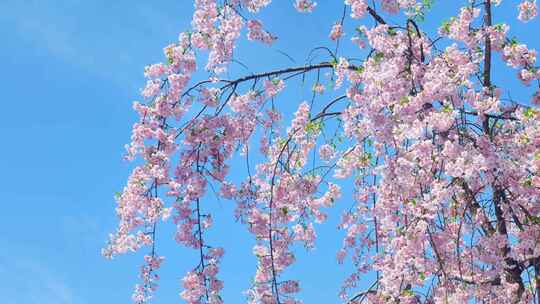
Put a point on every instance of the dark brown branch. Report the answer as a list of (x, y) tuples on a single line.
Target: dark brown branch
[(514, 268), (487, 57), (199, 228), (487, 60), (279, 72), (410, 21), (501, 117), (359, 297), (474, 206), (376, 16)]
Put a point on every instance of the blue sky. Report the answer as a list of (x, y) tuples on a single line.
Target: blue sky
[(70, 70)]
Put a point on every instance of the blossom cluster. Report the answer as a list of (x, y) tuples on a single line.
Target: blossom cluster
[(445, 170), (256, 32), (528, 10), (305, 6)]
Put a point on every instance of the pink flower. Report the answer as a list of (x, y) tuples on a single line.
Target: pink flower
[(526, 76), (273, 87), (256, 32), (519, 55), (210, 96), (289, 287), (528, 10), (152, 88), (255, 5), (326, 152), (341, 256), (358, 42), (424, 159), (155, 70), (340, 71), (319, 88), (459, 28), (242, 103), (305, 6), (228, 190), (358, 8), (336, 32)]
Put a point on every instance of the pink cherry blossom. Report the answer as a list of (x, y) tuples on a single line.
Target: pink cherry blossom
[(273, 87), (305, 6), (528, 10), (435, 168), (256, 32), (358, 8), (336, 32), (326, 152)]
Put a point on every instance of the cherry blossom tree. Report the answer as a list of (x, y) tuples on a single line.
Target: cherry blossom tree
[(445, 165)]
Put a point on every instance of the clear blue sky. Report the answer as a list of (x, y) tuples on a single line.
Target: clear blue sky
[(70, 70)]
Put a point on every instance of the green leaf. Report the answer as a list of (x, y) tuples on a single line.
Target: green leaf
[(527, 182), (447, 108), (378, 57), (478, 50), (524, 139), (446, 27), (499, 27), (428, 3), (408, 292), (529, 113), (514, 41), (404, 100), (365, 158), (536, 219), (313, 126)]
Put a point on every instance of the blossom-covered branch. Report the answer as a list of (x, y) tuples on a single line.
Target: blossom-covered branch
[(445, 168)]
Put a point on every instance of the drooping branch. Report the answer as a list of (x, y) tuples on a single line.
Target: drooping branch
[(487, 56), (306, 68), (408, 132), (375, 15)]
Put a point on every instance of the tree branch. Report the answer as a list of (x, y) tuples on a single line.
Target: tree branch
[(376, 16)]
